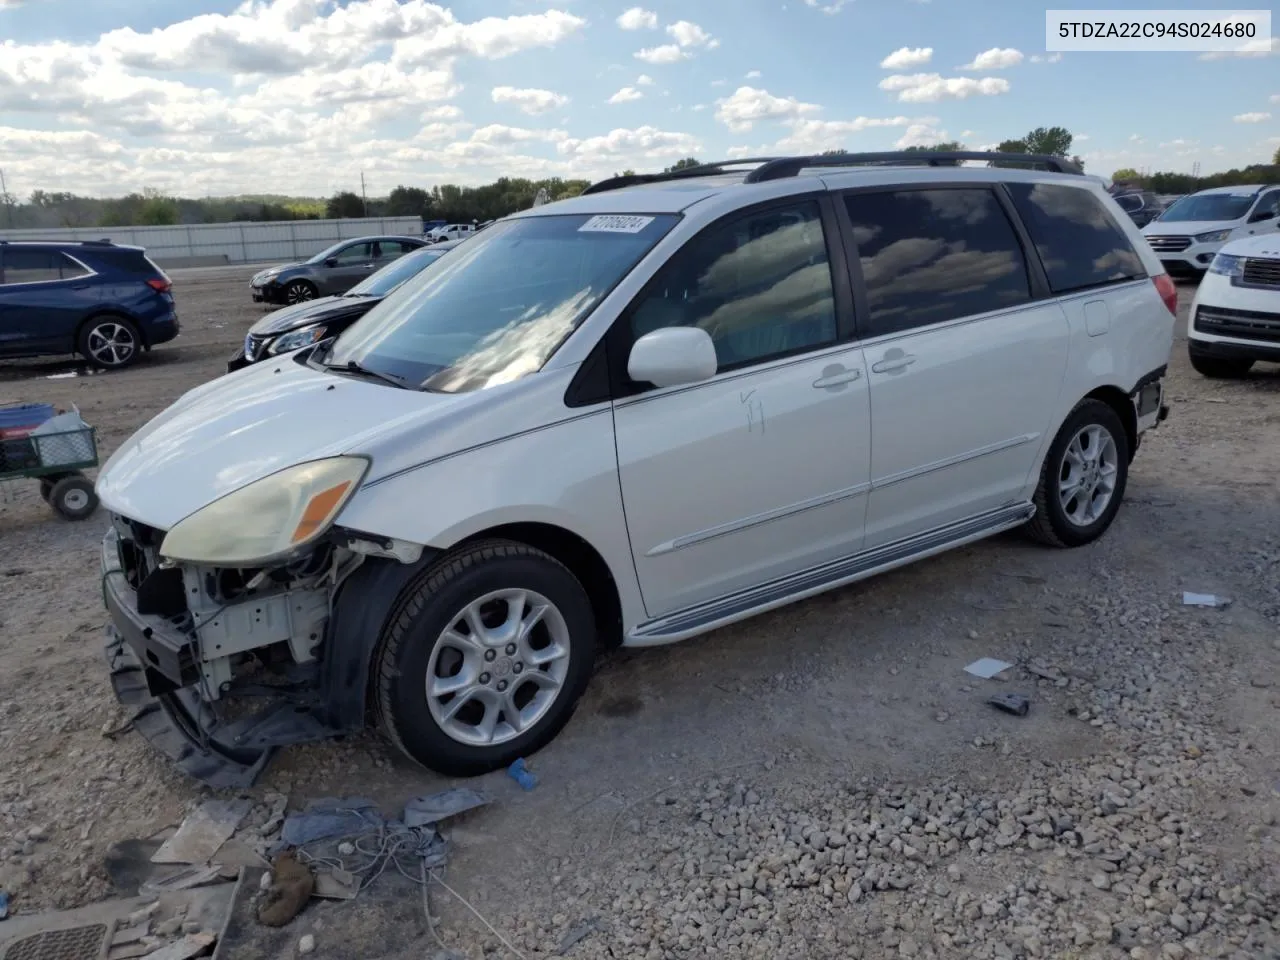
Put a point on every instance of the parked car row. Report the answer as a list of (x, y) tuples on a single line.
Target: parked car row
[(332, 271), (311, 320)]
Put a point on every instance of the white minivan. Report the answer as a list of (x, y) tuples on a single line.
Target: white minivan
[(625, 418), (1188, 234)]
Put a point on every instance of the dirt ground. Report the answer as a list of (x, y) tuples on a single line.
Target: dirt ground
[(822, 781)]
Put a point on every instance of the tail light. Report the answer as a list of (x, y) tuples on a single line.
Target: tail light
[(160, 284), (1168, 292)]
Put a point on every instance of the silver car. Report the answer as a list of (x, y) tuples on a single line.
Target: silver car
[(330, 272)]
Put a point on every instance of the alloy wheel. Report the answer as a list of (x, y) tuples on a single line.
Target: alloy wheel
[(1087, 476)]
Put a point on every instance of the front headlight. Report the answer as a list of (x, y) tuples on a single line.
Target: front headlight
[(296, 339), (1227, 265), (268, 519), (1213, 236)]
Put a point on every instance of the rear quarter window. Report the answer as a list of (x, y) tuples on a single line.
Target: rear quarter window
[(1079, 242)]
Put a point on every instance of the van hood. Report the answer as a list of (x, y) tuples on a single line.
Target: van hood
[(311, 311), (1186, 228), (243, 426)]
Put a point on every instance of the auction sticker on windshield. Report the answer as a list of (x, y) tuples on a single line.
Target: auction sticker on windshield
[(615, 223)]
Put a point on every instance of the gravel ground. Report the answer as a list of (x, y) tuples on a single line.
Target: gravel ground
[(822, 781)]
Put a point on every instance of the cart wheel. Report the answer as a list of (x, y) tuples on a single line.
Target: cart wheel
[(73, 497), (46, 489)]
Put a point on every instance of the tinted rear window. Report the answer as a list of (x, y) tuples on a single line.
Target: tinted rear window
[(1079, 242), (933, 255)]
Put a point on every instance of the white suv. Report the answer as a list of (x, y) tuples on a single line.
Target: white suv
[(1188, 234), (1235, 319), (626, 418), (452, 231)]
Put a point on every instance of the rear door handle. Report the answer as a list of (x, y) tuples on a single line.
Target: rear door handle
[(893, 364), (837, 378)]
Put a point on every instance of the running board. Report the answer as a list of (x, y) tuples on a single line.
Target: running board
[(836, 573)]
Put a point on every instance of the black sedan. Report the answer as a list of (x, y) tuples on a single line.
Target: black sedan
[(294, 327)]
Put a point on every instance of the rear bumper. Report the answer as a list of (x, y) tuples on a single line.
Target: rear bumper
[(162, 330)]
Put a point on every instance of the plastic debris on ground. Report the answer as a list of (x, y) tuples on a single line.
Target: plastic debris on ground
[(987, 667), (522, 775), (1204, 600), (1013, 703), (203, 832)]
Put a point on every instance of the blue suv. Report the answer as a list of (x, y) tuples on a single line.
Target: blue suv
[(106, 302)]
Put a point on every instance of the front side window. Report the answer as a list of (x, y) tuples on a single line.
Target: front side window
[(1079, 243), (928, 256), (1130, 203), (1268, 203), (1208, 206), (496, 308), (31, 266), (759, 284), (356, 253)]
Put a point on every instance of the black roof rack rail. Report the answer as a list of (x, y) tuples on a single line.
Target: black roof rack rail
[(702, 170), (104, 242), (784, 167)]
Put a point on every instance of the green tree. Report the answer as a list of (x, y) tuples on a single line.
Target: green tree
[(946, 146), (344, 204), (408, 202), (1012, 146), (158, 212), (1275, 157), (684, 164), (1126, 173), (837, 152)]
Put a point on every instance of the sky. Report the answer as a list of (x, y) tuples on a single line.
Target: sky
[(300, 97)]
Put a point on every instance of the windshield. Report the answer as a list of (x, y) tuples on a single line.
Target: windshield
[(498, 306), (1209, 206), (328, 252), (395, 273)]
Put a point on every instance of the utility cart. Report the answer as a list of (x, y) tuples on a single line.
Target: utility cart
[(38, 444)]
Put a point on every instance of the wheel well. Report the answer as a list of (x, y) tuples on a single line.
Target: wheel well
[(100, 314), (1119, 401), (583, 561)]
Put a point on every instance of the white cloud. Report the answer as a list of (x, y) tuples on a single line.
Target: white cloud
[(931, 87), (1261, 47), (1254, 117), (642, 142), (921, 135), (835, 6), (815, 136), (638, 18), (966, 134), (756, 75), (625, 95), (530, 100), (996, 58), (1275, 98), (1081, 137), (906, 57), (644, 80), (667, 53), (747, 105), (689, 34), (1051, 58)]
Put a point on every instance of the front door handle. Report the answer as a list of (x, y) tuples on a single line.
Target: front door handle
[(837, 377), (893, 364)]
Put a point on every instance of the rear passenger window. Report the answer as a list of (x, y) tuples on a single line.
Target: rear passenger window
[(1079, 243), (69, 269), (759, 284), (30, 266), (934, 255)]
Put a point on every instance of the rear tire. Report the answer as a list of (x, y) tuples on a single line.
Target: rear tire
[(1220, 368), (484, 659), (1083, 478), (110, 342)]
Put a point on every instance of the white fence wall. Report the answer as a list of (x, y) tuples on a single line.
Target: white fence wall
[(247, 242)]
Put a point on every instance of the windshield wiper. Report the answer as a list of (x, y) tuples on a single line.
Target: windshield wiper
[(351, 366)]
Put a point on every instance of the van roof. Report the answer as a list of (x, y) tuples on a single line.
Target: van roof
[(675, 191)]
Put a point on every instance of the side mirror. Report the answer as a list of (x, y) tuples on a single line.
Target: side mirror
[(673, 356), (331, 262), (1262, 215)]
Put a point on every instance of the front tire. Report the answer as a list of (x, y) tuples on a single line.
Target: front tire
[(110, 342), (73, 497), (1083, 478), (1219, 368), (485, 658), (300, 291)]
